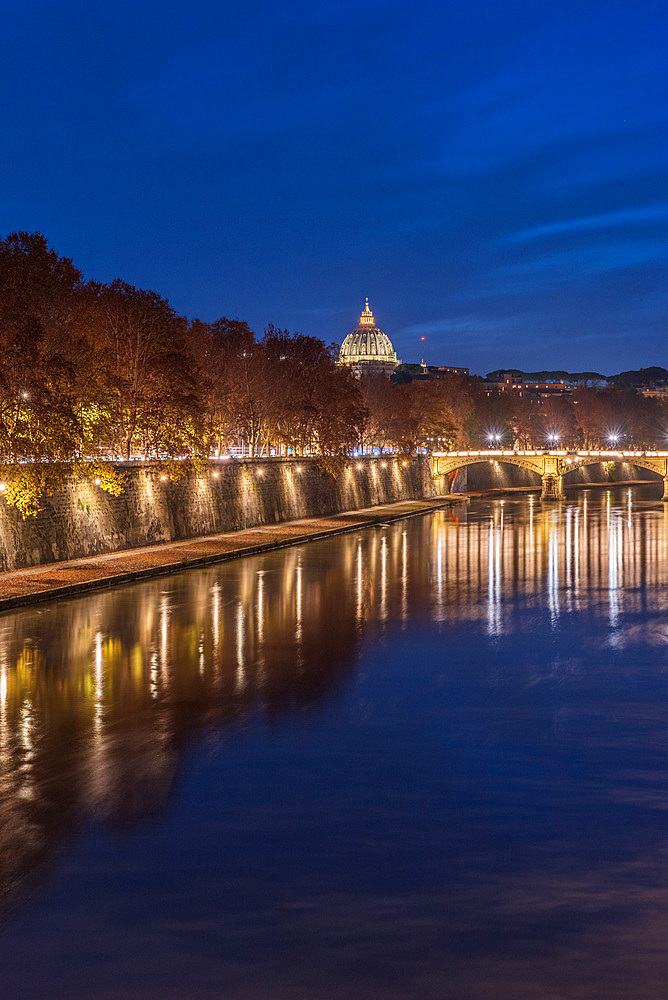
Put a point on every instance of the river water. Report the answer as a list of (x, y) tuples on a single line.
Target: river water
[(425, 760)]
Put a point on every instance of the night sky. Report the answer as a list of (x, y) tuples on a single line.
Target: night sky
[(493, 175)]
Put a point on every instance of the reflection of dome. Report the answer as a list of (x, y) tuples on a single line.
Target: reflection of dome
[(367, 345)]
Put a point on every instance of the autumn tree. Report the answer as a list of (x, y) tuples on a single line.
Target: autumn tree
[(147, 371), (381, 403), (493, 416), (597, 416), (307, 390), (556, 422), (342, 412), (39, 379)]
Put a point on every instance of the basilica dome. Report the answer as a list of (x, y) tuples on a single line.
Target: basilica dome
[(367, 345)]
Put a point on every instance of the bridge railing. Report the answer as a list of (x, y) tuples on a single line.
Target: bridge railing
[(486, 453)]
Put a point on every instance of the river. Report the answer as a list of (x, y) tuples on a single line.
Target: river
[(428, 760)]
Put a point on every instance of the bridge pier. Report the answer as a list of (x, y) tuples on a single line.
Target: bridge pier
[(665, 488), (553, 487)]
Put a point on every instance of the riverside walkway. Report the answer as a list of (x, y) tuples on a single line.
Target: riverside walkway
[(79, 576)]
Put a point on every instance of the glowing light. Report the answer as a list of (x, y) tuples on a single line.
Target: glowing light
[(163, 478), (260, 472), (3, 487), (359, 466), (215, 475), (299, 468), (97, 481)]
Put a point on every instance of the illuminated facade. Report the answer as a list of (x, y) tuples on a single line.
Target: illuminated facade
[(367, 350)]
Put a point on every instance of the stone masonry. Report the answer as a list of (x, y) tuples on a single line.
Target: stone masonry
[(83, 520)]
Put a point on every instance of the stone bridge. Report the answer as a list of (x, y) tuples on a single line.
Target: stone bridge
[(551, 466)]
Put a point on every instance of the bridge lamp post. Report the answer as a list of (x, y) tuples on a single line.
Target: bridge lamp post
[(553, 438), (494, 439), (613, 439)]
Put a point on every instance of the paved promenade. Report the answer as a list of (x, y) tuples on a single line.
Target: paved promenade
[(78, 576)]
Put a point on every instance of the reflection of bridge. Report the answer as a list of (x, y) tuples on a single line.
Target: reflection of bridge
[(551, 466)]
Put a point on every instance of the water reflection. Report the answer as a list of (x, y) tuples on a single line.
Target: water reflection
[(99, 696), (592, 550)]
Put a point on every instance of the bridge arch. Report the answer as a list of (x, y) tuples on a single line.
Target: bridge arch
[(448, 463), (551, 466), (498, 478), (446, 466), (639, 462)]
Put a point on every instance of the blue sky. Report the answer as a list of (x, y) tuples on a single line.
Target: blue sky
[(492, 175)]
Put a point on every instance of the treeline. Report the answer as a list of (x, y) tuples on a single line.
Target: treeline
[(637, 378), (586, 418), (464, 412), (90, 370), (91, 373)]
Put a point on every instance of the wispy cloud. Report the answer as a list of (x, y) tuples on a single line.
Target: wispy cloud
[(456, 324), (563, 266), (643, 215)]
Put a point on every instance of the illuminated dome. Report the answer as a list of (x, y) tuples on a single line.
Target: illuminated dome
[(367, 345)]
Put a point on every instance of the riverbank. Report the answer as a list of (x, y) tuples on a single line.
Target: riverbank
[(79, 576)]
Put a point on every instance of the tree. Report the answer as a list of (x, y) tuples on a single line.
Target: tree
[(39, 381), (493, 416), (556, 421), (307, 387), (342, 413), (147, 370), (380, 401)]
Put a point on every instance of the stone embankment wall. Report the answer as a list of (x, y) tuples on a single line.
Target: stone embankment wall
[(83, 520)]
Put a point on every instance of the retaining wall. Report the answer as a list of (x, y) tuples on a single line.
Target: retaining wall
[(83, 520)]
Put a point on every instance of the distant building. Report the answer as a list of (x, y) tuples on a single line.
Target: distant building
[(508, 382), (425, 373), (449, 370), (367, 350), (655, 392)]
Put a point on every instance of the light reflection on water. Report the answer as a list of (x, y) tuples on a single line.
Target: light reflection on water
[(469, 708)]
